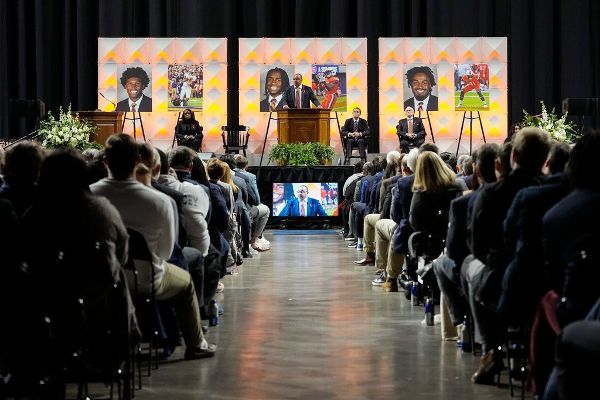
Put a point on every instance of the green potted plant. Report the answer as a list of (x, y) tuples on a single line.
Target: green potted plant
[(295, 154)]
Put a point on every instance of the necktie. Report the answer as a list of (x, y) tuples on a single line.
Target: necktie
[(420, 108), (273, 101), (302, 209), (410, 126), (355, 126), (133, 107), (297, 102)]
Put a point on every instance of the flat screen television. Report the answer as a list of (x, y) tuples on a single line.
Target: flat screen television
[(305, 199)]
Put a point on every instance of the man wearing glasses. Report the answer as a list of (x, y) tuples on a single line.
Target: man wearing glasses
[(299, 95), (303, 206)]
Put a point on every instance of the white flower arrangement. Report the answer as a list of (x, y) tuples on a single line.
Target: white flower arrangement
[(67, 131), (558, 128)]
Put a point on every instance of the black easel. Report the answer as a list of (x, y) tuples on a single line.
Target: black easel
[(126, 118), (470, 118), (428, 122), (340, 131), (262, 154), (175, 133)]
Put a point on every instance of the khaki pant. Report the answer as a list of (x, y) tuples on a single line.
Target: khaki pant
[(369, 232), (385, 258), (178, 287)]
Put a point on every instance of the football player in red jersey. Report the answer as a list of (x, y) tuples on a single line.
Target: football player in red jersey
[(470, 81), (332, 87)]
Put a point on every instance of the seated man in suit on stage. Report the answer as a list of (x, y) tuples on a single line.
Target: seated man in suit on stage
[(135, 80), (299, 95), (410, 131), (355, 132), (303, 206)]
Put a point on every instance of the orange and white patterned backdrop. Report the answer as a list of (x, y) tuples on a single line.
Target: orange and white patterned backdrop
[(155, 55), (297, 55), (443, 52)]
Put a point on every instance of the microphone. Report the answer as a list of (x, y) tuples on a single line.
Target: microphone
[(105, 98)]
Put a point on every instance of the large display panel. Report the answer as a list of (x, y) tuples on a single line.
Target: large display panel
[(305, 199), (335, 68), (167, 75), (449, 68)]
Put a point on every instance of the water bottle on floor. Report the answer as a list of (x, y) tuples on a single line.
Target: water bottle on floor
[(429, 312), (213, 313), (414, 294), (466, 342)]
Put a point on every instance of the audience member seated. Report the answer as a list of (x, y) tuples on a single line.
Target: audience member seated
[(529, 152), (393, 170), (153, 215), (21, 171), (447, 266), (259, 212)]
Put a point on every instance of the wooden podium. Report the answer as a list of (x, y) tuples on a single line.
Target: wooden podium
[(108, 123), (303, 125)]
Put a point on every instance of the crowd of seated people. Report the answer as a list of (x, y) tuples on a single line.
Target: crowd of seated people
[(67, 218), (511, 239)]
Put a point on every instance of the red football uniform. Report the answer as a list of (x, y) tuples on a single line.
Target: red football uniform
[(332, 85), (470, 83)]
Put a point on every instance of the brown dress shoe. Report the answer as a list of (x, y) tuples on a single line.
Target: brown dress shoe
[(368, 260), (489, 366), (391, 285)]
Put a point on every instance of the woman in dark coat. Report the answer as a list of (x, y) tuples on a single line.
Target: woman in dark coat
[(188, 131)]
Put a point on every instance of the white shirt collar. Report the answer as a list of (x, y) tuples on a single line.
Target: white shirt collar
[(277, 99), (137, 103), (416, 105)]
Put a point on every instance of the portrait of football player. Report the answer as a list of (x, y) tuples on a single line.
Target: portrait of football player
[(472, 81), (421, 80), (329, 85), (276, 82)]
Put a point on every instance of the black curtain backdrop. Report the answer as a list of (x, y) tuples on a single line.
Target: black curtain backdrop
[(48, 48)]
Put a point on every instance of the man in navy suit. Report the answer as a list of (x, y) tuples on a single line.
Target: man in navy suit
[(355, 132), (135, 80), (303, 206), (299, 95)]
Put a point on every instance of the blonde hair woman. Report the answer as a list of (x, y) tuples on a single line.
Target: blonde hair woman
[(434, 188)]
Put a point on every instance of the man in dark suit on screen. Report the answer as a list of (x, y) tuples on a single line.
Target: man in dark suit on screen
[(299, 95), (135, 80), (355, 132), (410, 131), (303, 206)]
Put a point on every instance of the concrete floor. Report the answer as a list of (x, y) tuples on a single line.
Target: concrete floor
[(302, 322)]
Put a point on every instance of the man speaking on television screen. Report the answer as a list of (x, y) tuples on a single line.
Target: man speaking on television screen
[(303, 206)]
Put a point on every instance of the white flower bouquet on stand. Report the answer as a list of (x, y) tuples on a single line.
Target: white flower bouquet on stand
[(558, 128), (67, 131)]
